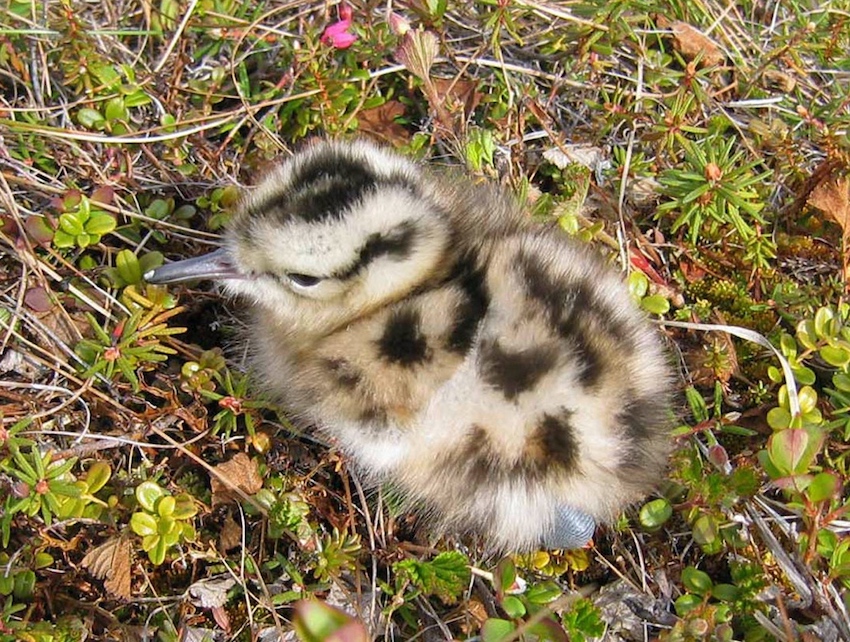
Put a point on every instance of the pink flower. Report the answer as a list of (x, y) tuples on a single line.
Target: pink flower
[(337, 34)]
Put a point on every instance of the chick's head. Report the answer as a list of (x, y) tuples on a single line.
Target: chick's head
[(329, 235)]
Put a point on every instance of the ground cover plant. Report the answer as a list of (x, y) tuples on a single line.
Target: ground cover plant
[(148, 493)]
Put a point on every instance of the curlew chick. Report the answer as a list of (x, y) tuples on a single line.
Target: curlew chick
[(493, 371)]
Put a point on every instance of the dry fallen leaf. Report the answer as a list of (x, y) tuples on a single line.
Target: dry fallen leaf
[(241, 471), (458, 92), (589, 156), (692, 43), (210, 592), (380, 123), (231, 534), (111, 562), (832, 196)]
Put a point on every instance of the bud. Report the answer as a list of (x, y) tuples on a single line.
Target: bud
[(399, 25), (345, 11), (713, 172)]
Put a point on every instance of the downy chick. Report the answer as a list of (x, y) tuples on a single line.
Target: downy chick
[(493, 371)]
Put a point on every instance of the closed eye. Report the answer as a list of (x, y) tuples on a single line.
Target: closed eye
[(303, 280)]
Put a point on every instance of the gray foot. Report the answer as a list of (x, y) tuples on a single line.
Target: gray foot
[(572, 528)]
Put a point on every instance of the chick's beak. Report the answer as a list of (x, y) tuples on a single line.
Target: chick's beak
[(215, 265)]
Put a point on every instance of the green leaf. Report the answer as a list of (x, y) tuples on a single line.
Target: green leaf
[(506, 575), (638, 284), (655, 304), (318, 622), (825, 323), (149, 261), (725, 592), (115, 110), (446, 576), (696, 581), (583, 621), (100, 223), (90, 118), (806, 334), (496, 629), (97, 476), (778, 418), (157, 553), (128, 267), (705, 531), (24, 588), (513, 606), (837, 357), (143, 524), (687, 603), (542, 593), (788, 345), (697, 404), (71, 224), (43, 560), (808, 399), (786, 449), (165, 506), (654, 514), (147, 494), (824, 486), (184, 507), (841, 381)]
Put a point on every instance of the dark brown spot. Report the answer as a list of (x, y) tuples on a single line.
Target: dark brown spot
[(374, 415), (645, 423), (551, 449), (345, 374), (542, 288), (577, 315), (553, 445), (471, 310), (513, 373), (643, 418), (402, 341), (589, 360), (396, 243), (476, 463), (325, 187)]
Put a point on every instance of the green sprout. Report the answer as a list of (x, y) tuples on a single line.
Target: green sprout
[(164, 521), (713, 190), (42, 486), (82, 223), (134, 343)]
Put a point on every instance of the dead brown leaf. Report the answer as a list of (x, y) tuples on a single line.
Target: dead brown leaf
[(832, 196), (458, 93), (379, 122), (111, 562), (692, 43), (242, 472), (231, 534)]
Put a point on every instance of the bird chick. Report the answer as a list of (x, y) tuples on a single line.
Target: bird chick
[(492, 370)]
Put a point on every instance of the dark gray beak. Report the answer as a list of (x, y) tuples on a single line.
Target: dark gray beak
[(215, 265)]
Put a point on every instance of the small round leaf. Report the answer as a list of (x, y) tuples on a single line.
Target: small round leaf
[(147, 494), (655, 513), (696, 581), (143, 524)]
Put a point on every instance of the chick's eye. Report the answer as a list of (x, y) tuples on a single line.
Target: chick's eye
[(303, 280)]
